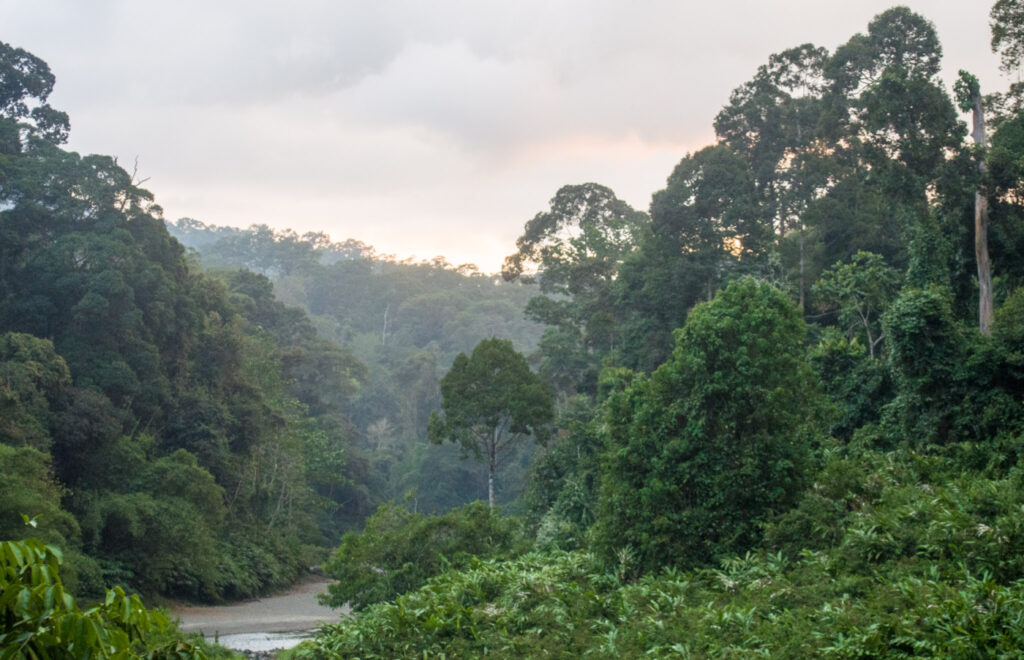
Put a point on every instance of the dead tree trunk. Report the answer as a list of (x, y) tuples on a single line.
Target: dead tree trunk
[(985, 305)]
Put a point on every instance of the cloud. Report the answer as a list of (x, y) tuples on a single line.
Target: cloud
[(444, 124)]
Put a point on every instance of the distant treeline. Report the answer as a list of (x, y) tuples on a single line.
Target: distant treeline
[(405, 321)]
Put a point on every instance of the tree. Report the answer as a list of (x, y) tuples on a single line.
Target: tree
[(25, 84), (706, 227), (399, 551), (775, 121), (709, 216), (27, 486), (33, 380), (491, 400), (1007, 23), (574, 251), (968, 98), (862, 290), (702, 451)]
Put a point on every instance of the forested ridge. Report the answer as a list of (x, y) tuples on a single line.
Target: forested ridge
[(176, 433), (779, 412), (405, 322)]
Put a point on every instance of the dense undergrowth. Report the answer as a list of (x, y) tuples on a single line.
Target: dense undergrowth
[(40, 620), (888, 554)]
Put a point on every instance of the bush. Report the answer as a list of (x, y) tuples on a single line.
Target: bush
[(398, 551), (44, 621)]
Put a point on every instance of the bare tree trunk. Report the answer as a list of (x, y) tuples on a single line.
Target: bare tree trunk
[(985, 305), (802, 286), (491, 460), (867, 330)]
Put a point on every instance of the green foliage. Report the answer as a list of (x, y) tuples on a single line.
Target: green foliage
[(708, 213), (25, 85), (861, 290), (1005, 161), (27, 487), (399, 551), (575, 249), (33, 380), (163, 533), (237, 433), (179, 414), (927, 353), (400, 319), (521, 608), (490, 400), (856, 385), (39, 619), (562, 495), (887, 554), (1007, 23), (705, 449), (967, 90)]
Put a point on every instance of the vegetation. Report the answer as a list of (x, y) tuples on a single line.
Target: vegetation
[(778, 415), (715, 440), (491, 399), (219, 409), (40, 620), (804, 438), (404, 322), (398, 550)]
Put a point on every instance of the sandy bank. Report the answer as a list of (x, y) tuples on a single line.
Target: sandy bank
[(291, 610)]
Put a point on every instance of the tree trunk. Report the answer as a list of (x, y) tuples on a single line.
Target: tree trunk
[(492, 455), (802, 286), (867, 330), (985, 305)]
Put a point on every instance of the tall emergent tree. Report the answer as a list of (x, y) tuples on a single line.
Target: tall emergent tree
[(574, 252), (25, 84), (490, 401)]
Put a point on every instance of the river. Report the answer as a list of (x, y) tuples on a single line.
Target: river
[(274, 622)]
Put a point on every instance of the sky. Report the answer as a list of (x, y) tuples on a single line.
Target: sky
[(421, 127)]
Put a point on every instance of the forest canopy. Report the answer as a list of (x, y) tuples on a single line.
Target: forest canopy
[(779, 411)]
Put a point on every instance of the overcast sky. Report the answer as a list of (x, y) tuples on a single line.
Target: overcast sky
[(421, 127)]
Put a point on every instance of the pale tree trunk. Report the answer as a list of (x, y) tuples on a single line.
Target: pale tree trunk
[(491, 460), (866, 320), (802, 286), (985, 306)]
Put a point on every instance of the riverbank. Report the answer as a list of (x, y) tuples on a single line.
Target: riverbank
[(293, 610)]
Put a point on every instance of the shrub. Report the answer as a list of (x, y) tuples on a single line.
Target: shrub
[(38, 619), (398, 551)]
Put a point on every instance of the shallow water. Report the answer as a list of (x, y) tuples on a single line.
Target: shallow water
[(262, 641)]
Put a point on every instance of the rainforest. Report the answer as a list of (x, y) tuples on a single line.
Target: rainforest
[(779, 412)]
